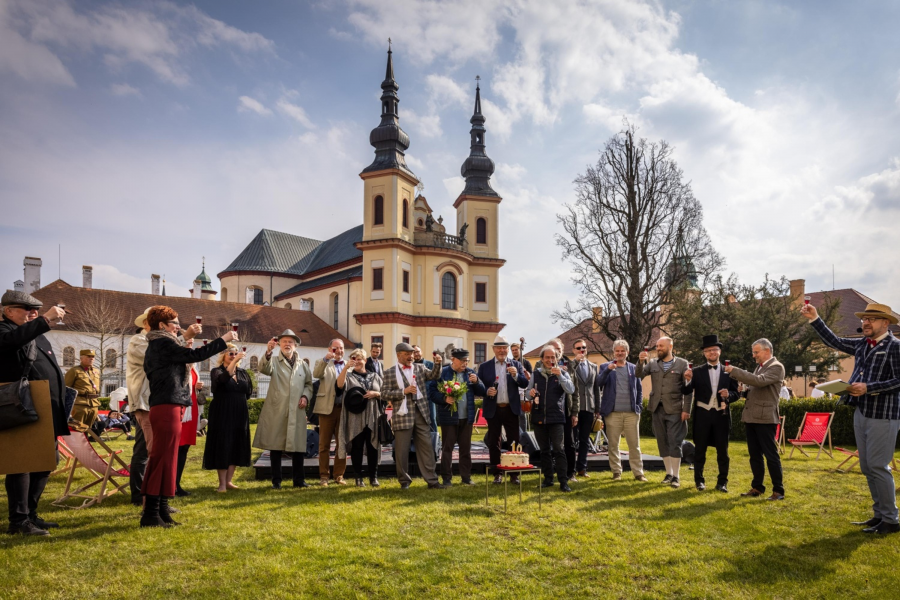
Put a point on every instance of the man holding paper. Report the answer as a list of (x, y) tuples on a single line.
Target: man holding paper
[(404, 388), (874, 388)]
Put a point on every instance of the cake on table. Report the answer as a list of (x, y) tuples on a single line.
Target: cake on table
[(514, 458)]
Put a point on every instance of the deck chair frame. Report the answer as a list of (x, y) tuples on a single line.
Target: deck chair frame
[(106, 479), (797, 444), (780, 437), (478, 416)]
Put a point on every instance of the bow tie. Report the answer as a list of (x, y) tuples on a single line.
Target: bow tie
[(871, 342), (338, 362)]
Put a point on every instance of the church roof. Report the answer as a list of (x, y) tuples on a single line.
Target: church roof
[(336, 277)]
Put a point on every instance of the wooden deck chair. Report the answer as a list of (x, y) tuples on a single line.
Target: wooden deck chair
[(67, 454), (779, 435), (102, 469), (480, 421), (814, 430), (851, 455)]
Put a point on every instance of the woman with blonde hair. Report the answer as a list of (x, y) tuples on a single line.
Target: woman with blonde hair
[(228, 440), (362, 407)]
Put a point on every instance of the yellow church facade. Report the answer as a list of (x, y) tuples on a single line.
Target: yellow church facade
[(399, 276)]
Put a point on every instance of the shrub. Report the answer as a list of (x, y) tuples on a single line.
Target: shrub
[(104, 403)]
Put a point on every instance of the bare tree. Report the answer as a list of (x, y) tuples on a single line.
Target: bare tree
[(105, 326), (634, 234)]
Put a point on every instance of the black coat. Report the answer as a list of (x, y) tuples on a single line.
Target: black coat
[(164, 364), (702, 390), (13, 341)]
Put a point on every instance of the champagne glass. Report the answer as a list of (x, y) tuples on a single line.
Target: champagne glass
[(62, 306)]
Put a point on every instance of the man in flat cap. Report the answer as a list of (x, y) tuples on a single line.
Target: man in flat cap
[(405, 388), (85, 380), (875, 392), (24, 349), (456, 423)]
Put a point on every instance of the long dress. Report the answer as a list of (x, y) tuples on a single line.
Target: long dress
[(228, 440)]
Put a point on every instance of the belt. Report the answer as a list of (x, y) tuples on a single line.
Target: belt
[(90, 396)]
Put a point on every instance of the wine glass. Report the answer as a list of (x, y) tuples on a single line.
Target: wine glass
[(806, 300), (727, 363), (199, 320), (234, 327), (62, 306)]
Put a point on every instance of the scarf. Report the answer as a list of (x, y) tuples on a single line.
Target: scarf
[(159, 334)]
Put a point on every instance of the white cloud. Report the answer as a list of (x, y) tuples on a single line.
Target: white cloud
[(109, 277), (295, 112), (248, 104), (123, 89), (414, 163), (26, 59), (428, 126)]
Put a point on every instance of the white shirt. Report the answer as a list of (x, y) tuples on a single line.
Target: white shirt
[(785, 394), (715, 371), (816, 393), (500, 373)]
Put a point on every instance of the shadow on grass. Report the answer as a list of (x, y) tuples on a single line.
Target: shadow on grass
[(810, 561)]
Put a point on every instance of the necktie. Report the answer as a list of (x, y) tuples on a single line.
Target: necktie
[(583, 370)]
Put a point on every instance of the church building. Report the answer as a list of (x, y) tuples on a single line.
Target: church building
[(399, 276)]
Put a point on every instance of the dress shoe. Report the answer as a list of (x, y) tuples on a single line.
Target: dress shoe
[(547, 483), (776, 496), (434, 486), (667, 479), (340, 480), (514, 479), (572, 478), (640, 478), (301, 484), (870, 523), (323, 482), (42, 524), (617, 477), (182, 493), (701, 487), (373, 481), (883, 528), (360, 482), (564, 487), (276, 485), (26, 528), (753, 493), (584, 474), (468, 482), (447, 485), (676, 483), (722, 488), (404, 486), (498, 479)]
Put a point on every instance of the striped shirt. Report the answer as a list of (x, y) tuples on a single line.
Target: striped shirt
[(878, 367)]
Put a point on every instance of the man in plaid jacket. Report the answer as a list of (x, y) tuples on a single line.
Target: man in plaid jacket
[(404, 388), (875, 391)]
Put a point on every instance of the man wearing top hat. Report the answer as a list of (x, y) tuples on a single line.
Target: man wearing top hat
[(405, 388), (713, 390), (85, 380), (24, 351), (456, 425), (875, 392), (502, 376)]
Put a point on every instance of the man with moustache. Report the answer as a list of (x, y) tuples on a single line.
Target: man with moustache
[(585, 376), (373, 363)]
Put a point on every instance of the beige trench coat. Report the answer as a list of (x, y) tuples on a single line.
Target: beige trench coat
[(282, 424)]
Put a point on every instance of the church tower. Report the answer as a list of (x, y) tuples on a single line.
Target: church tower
[(477, 206), (389, 184)]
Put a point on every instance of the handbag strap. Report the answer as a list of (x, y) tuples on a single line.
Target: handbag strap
[(30, 353)]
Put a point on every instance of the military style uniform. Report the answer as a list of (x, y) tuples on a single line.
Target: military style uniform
[(87, 383)]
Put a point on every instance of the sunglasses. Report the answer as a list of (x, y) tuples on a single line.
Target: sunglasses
[(232, 354), (581, 347)]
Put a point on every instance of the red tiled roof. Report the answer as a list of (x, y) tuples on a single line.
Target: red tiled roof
[(257, 323), (597, 342)]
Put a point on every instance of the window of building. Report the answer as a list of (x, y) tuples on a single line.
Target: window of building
[(448, 291), (335, 312), (377, 339), (110, 362), (480, 352), (257, 296), (405, 282), (480, 231), (68, 356), (254, 363), (378, 278), (405, 339), (288, 306), (421, 223), (480, 292), (378, 211), (405, 221)]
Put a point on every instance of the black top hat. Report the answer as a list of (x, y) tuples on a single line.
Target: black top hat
[(709, 341), (354, 399)]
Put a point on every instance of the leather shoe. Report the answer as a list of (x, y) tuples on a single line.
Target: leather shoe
[(701, 487), (584, 474), (883, 528), (722, 488), (468, 482), (42, 524), (26, 528), (434, 486), (301, 484), (753, 493), (564, 487), (404, 486), (373, 481), (182, 493), (498, 479), (547, 483), (514, 479), (870, 523), (572, 478), (776, 496)]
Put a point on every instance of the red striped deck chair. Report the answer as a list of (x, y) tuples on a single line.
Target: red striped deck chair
[(480, 421), (101, 468), (779, 435), (815, 429), (851, 455)]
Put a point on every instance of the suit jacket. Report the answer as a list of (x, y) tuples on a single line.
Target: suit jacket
[(371, 366), (701, 388), (764, 393), (607, 381), (591, 386), (666, 387), (392, 391), (326, 372), (444, 412), (488, 375)]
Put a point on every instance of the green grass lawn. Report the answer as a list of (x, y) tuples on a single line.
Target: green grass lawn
[(606, 540)]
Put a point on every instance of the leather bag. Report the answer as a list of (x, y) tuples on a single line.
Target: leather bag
[(16, 404)]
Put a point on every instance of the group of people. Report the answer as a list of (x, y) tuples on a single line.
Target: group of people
[(350, 395)]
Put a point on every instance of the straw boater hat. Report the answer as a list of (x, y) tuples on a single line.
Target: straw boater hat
[(139, 321), (881, 311), (501, 340)]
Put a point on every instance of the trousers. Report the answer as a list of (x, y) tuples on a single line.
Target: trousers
[(761, 445), (363, 443), (670, 432), (583, 433), (297, 459), (139, 457), (875, 439), (553, 452), (330, 427), (711, 428), (505, 419), (629, 424), (23, 492), (421, 431), (452, 435)]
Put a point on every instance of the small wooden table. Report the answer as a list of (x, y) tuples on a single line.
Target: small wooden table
[(510, 471)]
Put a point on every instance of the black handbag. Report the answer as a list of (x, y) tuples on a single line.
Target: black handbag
[(16, 404), (385, 433)]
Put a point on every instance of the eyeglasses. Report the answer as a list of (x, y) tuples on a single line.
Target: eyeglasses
[(870, 319), (173, 323)]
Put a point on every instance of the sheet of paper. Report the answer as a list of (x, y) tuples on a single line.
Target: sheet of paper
[(838, 386)]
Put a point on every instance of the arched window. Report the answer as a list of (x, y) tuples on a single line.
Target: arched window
[(378, 211), (68, 356), (110, 362), (480, 231), (288, 306), (335, 312), (254, 363), (405, 214), (448, 291), (224, 294), (255, 295), (421, 223)]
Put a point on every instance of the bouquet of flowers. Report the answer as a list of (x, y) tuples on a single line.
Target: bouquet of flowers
[(454, 389)]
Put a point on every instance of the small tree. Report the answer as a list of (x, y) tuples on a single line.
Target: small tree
[(104, 326), (740, 314), (634, 233)]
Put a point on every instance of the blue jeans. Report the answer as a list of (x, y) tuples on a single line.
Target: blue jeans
[(876, 439)]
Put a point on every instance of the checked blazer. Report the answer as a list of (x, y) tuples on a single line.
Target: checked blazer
[(878, 367), (392, 391)]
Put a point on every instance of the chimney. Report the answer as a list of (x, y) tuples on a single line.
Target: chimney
[(32, 274), (87, 277), (798, 288), (19, 285), (196, 292), (154, 284), (597, 317)]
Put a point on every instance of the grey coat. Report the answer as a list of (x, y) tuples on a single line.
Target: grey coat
[(764, 394), (590, 387), (282, 423), (666, 387)]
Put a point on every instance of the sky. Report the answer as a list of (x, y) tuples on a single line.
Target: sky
[(142, 136)]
